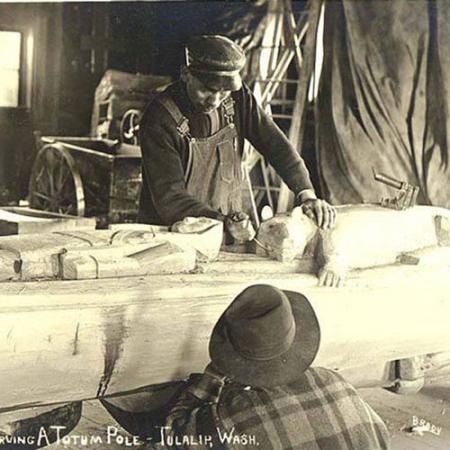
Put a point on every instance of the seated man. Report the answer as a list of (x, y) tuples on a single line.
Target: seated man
[(192, 139), (259, 392)]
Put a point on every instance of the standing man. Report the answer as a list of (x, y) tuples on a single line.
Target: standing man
[(259, 393), (192, 138)]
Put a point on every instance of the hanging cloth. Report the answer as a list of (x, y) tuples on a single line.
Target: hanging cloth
[(384, 99)]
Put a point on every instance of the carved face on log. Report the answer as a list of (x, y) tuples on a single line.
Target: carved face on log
[(286, 236), (365, 236)]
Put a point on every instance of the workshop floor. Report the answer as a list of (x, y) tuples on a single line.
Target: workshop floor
[(400, 412)]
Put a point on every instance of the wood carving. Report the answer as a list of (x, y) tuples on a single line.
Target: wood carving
[(364, 236), (159, 257), (108, 253), (202, 233)]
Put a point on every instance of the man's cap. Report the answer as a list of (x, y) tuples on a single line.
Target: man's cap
[(216, 61), (266, 337)]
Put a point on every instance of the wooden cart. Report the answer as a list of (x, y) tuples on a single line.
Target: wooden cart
[(87, 177)]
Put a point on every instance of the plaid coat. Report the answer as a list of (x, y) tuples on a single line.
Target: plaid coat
[(320, 411)]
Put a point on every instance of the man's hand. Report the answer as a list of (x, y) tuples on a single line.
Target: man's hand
[(320, 211), (240, 227)]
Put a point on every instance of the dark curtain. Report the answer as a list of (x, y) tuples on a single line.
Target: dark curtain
[(384, 99)]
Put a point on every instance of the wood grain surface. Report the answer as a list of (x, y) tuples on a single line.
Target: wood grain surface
[(70, 340)]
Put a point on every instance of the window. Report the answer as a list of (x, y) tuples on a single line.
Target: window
[(10, 44)]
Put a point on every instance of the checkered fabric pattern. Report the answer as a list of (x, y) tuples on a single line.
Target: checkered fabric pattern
[(320, 411)]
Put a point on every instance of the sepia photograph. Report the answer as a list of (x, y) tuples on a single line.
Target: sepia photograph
[(225, 225)]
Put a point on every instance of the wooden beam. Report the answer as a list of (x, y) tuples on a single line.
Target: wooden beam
[(283, 64), (296, 130), (99, 42), (19, 220)]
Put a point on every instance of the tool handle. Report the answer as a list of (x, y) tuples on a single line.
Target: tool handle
[(386, 179)]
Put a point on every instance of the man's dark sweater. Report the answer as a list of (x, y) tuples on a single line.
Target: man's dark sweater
[(164, 198)]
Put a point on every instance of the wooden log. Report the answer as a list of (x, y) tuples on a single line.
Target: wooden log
[(72, 340)]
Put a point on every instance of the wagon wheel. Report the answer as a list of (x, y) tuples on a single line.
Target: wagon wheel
[(55, 182), (129, 127)]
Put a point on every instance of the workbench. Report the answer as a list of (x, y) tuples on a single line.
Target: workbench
[(64, 341)]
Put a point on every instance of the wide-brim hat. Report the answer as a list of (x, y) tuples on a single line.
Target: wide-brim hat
[(266, 337), (216, 61)]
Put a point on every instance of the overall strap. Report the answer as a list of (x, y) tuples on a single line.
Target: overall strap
[(228, 106), (181, 121)]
